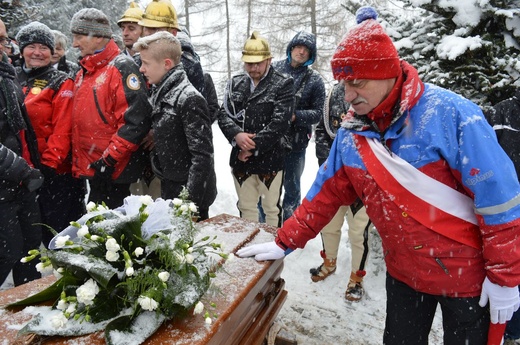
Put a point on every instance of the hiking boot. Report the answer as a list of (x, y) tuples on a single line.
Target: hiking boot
[(324, 270), (354, 291)]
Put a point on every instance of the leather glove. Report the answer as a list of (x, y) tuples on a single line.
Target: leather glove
[(262, 252), (503, 301), (33, 180), (103, 167)]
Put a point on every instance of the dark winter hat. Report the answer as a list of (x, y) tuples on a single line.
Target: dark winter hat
[(91, 21), (35, 32), (366, 51)]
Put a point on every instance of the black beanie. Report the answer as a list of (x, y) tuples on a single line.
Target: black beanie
[(35, 32)]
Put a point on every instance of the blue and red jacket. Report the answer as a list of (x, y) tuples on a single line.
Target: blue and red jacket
[(447, 138)]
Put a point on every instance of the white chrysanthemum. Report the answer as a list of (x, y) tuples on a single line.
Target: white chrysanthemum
[(91, 206), (146, 200), (177, 202), (83, 231), (138, 251), (193, 207), (61, 241), (59, 321), (147, 303), (62, 305), (112, 245), (199, 307), (164, 276), (87, 292), (130, 271), (111, 256), (208, 321), (71, 309), (189, 258)]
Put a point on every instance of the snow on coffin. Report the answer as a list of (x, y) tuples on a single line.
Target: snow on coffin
[(247, 295)]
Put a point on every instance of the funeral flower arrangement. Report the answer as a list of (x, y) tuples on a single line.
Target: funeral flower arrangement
[(125, 271)]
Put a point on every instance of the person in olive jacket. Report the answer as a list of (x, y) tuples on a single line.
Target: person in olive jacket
[(255, 118), (183, 153)]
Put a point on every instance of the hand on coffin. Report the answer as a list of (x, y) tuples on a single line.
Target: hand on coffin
[(503, 301), (262, 251)]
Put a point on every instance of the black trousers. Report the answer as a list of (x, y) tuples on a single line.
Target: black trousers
[(62, 200), (112, 194), (18, 235), (409, 317)]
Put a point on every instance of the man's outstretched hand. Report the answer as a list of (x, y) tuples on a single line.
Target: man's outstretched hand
[(262, 252)]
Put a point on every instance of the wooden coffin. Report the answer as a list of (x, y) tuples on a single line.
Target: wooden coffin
[(248, 296)]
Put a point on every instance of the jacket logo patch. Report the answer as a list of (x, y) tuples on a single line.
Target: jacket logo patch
[(133, 83), (478, 178), (40, 83), (474, 171)]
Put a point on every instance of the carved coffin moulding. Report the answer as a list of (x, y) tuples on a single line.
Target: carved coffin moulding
[(248, 296)]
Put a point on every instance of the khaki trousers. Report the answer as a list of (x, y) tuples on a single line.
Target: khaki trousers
[(251, 190), (358, 226)]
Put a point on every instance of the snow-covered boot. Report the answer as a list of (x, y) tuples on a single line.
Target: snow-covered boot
[(355, 289), (324, 270)]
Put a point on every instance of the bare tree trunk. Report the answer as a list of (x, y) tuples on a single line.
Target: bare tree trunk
[(249, 11), (187, 11), (228, 43)]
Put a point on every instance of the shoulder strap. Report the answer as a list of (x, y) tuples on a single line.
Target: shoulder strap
[(420, 196)]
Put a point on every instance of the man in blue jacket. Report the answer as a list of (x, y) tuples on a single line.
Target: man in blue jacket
[(309, 97)]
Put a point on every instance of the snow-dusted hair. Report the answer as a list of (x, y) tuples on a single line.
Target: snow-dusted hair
[(165, 46)]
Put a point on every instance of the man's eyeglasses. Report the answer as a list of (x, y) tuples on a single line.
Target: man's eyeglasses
[(5, 41)]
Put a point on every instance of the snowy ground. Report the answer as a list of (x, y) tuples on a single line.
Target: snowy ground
[(317, 313)]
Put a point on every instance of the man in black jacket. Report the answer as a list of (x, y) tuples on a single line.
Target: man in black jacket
[(19, 210), (255, 118)]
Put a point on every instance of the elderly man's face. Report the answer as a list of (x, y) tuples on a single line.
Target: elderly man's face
[(4, 39), (366, 94)]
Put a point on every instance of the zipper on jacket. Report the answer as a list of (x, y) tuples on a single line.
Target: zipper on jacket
[(442, 266), (98, 107)]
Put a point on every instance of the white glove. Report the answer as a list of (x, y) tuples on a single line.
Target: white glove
[(503, 301), (262, 251)]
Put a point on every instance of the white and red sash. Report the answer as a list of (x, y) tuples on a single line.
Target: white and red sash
[(430, 202)]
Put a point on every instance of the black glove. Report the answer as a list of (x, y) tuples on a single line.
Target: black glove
[(33, 180), (103, 168), (48, 172)]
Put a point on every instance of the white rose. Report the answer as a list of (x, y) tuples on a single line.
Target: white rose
[(208, 321), (61, 241), (138, 251), (177, 202), (111, 256), (102, 208), (130, 271), (190, 250), (59, 321), (199, 307), (82, 231), (91, 206), (146, 200), (184, 208), (86, 292), (189, 258), (192, 207), (39, 267), (62, 305), (112, 245), (147, 303), (164, 276), (94, 237)]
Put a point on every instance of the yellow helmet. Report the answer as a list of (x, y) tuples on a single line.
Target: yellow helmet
[(256, 49), (133, 14), (160, 14)]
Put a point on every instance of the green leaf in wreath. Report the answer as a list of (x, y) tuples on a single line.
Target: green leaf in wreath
[(119, 330), (50, 293), (83, 267)]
